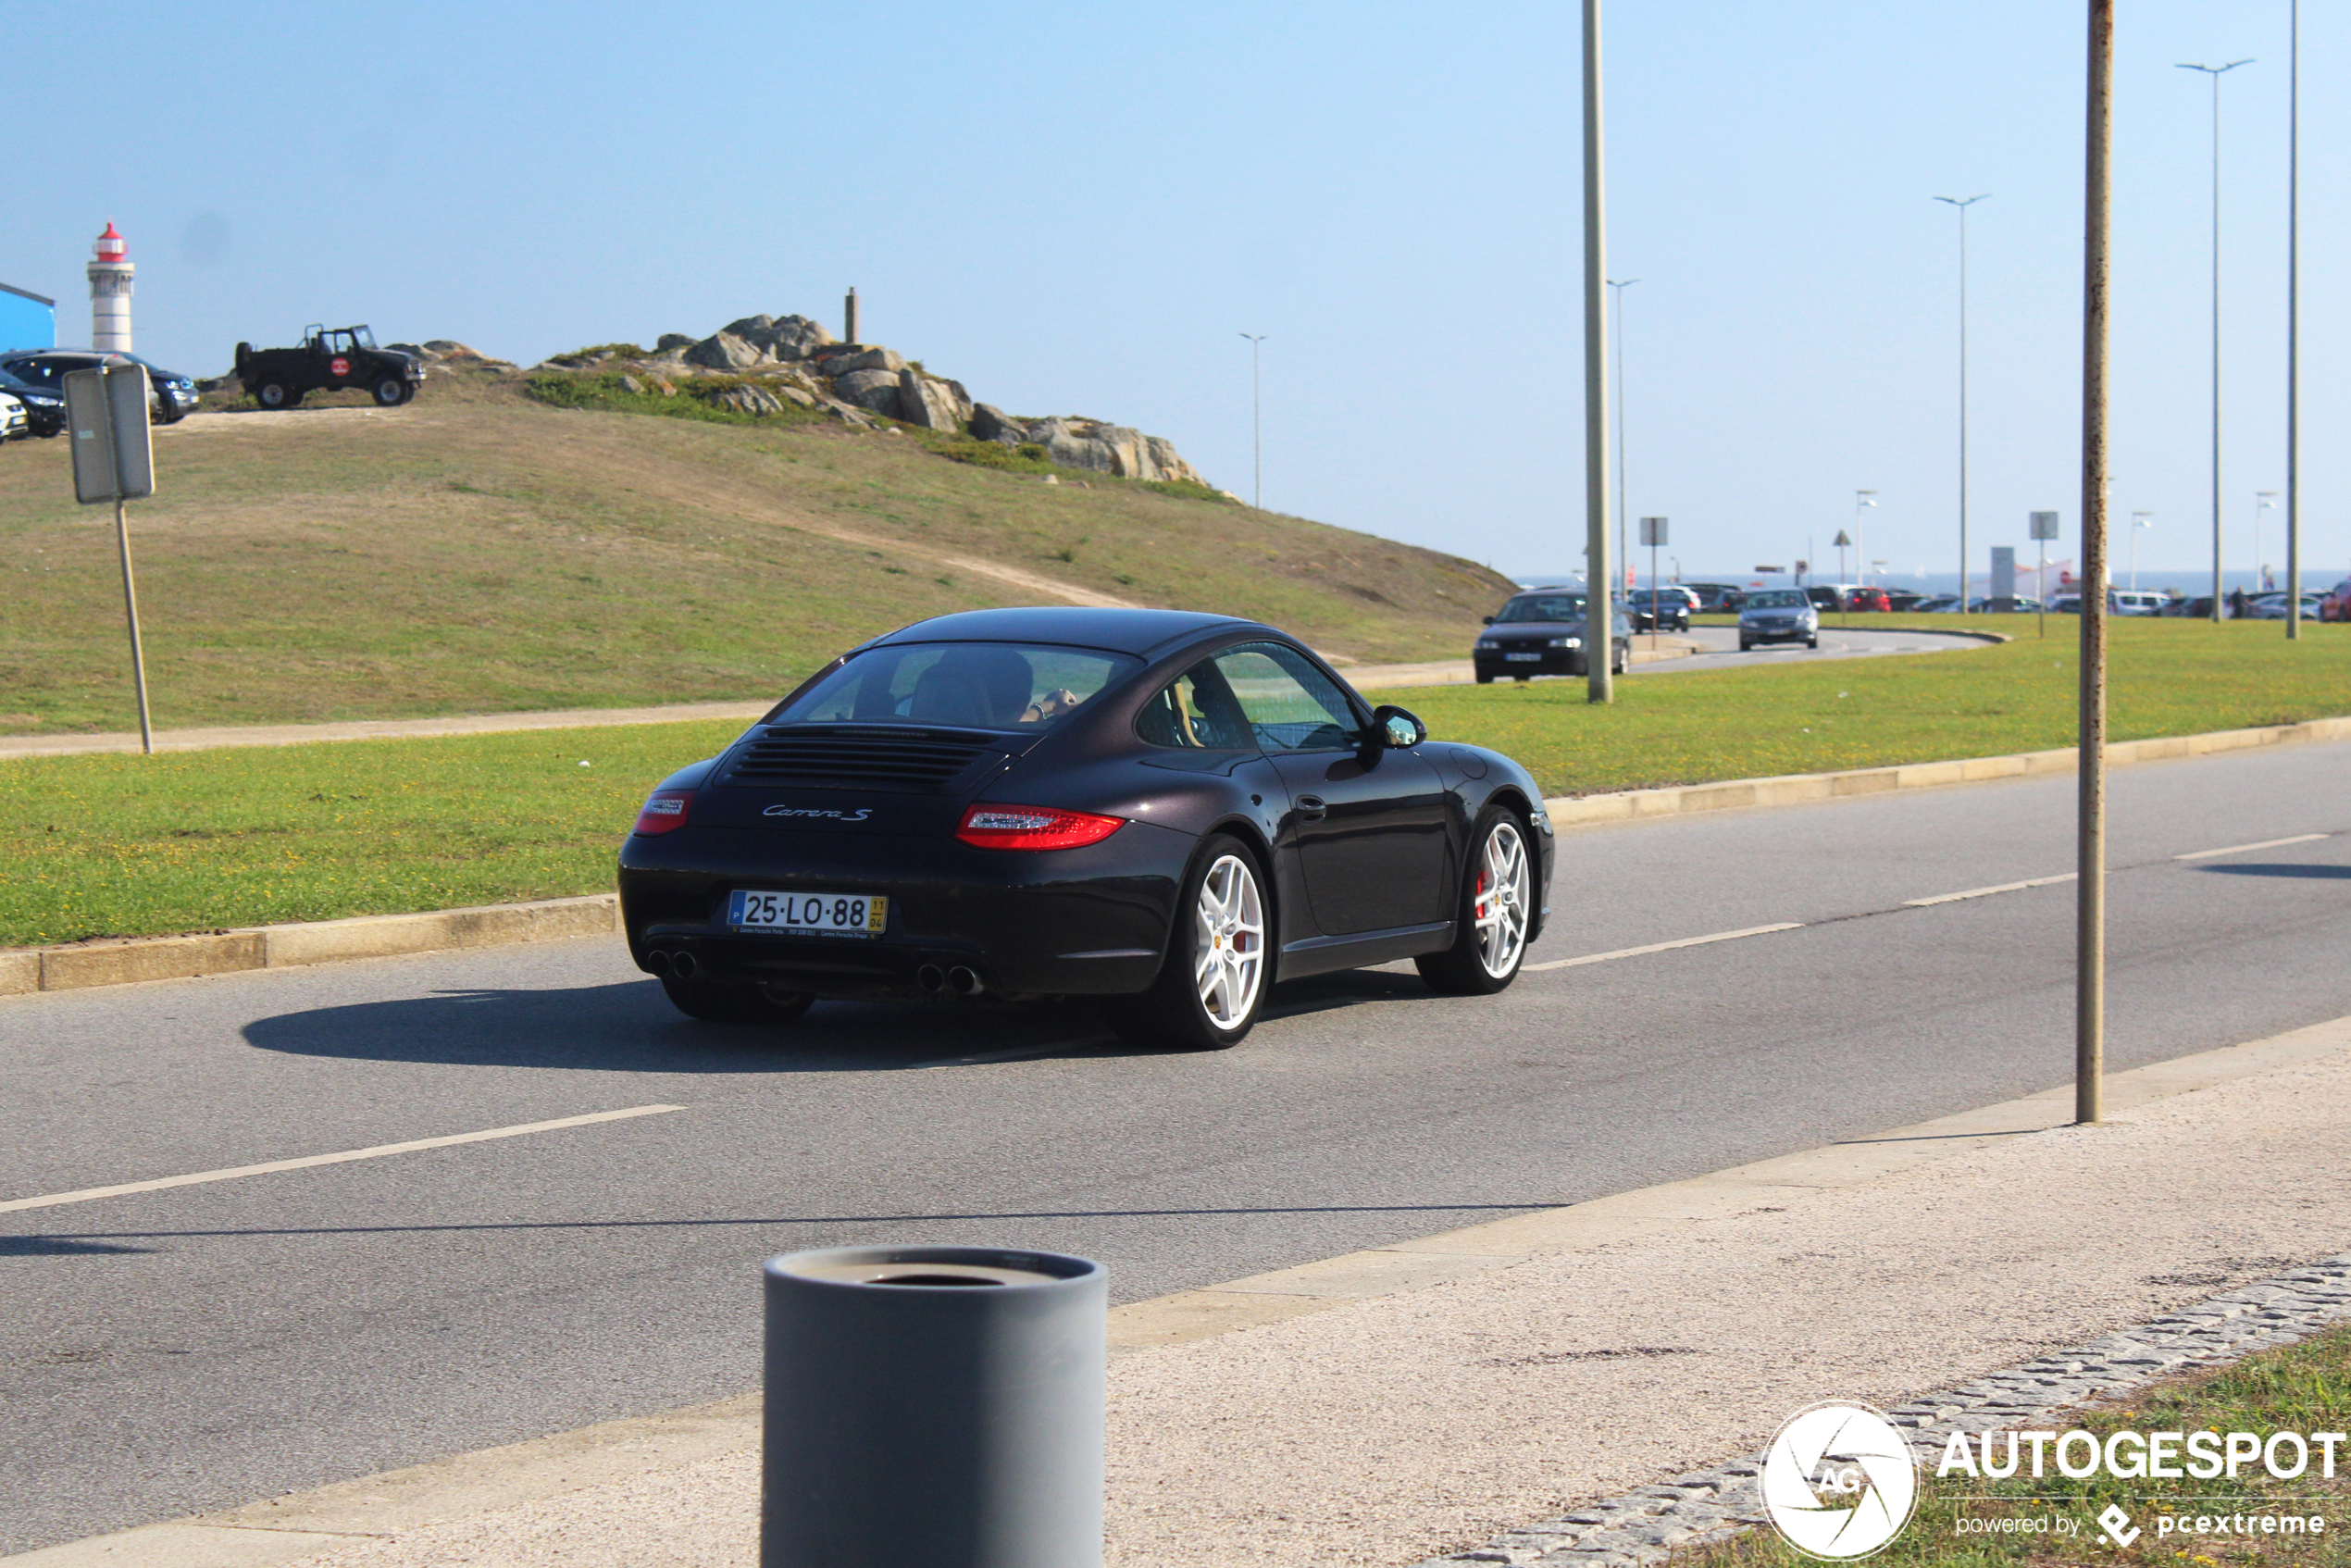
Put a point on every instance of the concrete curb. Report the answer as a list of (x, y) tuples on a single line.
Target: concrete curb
[(1801, 789), (299, 1525), (119, 960)]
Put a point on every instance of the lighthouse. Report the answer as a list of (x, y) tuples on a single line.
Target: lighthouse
[(110, 274)]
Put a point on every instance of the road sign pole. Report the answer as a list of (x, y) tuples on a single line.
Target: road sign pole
[(2089, 926), (130, 610), (1600, 572)]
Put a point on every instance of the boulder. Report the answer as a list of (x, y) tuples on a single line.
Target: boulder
[(856, 357), (796, 337), (930, 402), (746, 400), (990, 423), (874, 389), (724, 350), (669, 340), (631, 384), (795, 394), (1171, 464), (752, 329)]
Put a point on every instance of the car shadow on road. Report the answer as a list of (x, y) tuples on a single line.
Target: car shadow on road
[(631, 1027)]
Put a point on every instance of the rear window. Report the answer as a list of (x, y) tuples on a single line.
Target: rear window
[(968, 685)]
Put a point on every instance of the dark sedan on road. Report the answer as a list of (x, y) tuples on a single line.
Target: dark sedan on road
[(1660, 609), (44, 408), (171, 395), (1542, 633), (1165, 811)]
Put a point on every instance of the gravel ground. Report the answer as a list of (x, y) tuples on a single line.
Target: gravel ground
[(1402, 1427)]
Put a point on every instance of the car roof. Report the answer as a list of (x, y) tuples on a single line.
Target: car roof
[(1117, 630)]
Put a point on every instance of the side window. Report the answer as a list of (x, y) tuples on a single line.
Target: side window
[(1290, 705), (1196, 711)]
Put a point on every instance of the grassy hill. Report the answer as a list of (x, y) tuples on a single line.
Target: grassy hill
[(483, 548)]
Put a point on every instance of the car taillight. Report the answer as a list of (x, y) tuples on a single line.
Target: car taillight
[(664, 811), (990, 827)]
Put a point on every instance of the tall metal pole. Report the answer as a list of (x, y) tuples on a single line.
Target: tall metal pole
[(2293, 329), (2089, 920), (2216, 73), (1599, 621), (1962, 206), (131, 609), (1256, 423), (1624, 539), (2263, 501)]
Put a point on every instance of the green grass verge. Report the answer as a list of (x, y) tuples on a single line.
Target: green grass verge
[(196, 839), (2304, 1387), (2165, 678)]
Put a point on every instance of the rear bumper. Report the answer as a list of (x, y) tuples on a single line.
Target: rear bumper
[(1084, 922), (1552, 661)]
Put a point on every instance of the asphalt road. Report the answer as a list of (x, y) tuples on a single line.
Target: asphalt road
[(1719, 647), (204, 1345)]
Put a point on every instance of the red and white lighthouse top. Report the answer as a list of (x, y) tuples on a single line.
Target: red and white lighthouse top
[(111, 246)]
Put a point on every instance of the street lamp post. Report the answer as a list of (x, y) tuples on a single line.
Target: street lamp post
[(1963, 205), (2138, 520), (2293, 328), (1624, 539), (1598, 618), (1256, 423), (2263, 501), (2216, 73), (1862, 501)]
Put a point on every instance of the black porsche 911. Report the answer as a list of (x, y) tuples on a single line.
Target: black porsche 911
[(1165, 811)]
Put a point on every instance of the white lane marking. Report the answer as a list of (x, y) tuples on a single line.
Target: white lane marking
[(376, 1152), (1987, 892), (2264, 844), (1666, 947)]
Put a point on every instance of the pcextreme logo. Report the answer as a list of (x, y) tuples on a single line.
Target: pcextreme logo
[(1839, 1481)]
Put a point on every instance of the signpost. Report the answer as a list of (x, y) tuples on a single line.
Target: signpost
[(114, 460), (1842, 542), (1653, 535), (2044, 529)]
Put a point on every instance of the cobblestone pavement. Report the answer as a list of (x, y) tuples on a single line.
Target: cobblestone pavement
[(1644, 1526)]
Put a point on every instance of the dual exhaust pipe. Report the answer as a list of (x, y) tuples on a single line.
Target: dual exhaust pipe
[(961, 980)]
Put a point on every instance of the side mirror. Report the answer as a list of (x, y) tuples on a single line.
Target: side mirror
[(1397, 728), (1487, 621)]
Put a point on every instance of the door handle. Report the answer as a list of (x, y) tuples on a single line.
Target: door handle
[(1309, 808)]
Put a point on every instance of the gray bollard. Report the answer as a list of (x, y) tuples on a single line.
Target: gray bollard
[(934, 1405)]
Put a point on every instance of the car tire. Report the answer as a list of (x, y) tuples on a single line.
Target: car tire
[(1746, 645), (1486, 680), (1223, 902), (275, 394), (715, 1001), (1811, 643), (391, 391), (1486, 958)]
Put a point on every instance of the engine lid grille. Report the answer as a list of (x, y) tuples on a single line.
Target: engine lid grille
[(902, 758)]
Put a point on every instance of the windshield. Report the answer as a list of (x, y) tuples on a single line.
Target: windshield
[(975, 685), (1543, 607), (362, 337), (1777, 599)]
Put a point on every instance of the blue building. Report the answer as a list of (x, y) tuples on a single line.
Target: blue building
[(27, 319)]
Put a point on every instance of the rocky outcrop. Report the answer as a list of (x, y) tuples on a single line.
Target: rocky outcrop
[(769, 360)]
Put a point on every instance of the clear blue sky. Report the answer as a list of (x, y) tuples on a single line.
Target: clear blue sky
[(1076, 208)]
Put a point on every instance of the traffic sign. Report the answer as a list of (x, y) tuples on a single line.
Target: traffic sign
[(1653, 532), (1842, 540), (2044, 524), (107, 416)]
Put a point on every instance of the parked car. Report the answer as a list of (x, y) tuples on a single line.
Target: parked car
[(1663, 609), (170, 396), (1902, 599), (1542, 633), (2020, 604), (1779, 614), (1162, 811), (2136, 602), (44, 410), (1938, 604), (12, 419), (328, 359), (1826, 595), (2336, 604), (1867, 599), (1716, 598), (2271, 606)]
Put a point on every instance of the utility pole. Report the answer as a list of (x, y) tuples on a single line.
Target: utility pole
[(1624, 539), (2216, 73), (2293, 328), (1256, 422), (1599, 619), (2089, 919), (1963, 207)]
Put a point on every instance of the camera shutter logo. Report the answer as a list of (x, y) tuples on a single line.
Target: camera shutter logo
[(1839, 1481)]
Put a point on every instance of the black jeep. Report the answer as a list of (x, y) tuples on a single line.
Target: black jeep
[(329, 360)]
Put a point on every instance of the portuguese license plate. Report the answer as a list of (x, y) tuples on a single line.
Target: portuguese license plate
[(1523, 658), (818, 915)]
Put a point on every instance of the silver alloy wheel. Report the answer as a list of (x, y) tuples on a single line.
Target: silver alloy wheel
[(1228, 948), (1499, 911)]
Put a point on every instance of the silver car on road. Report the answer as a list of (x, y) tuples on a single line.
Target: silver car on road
[(1778, 615)]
